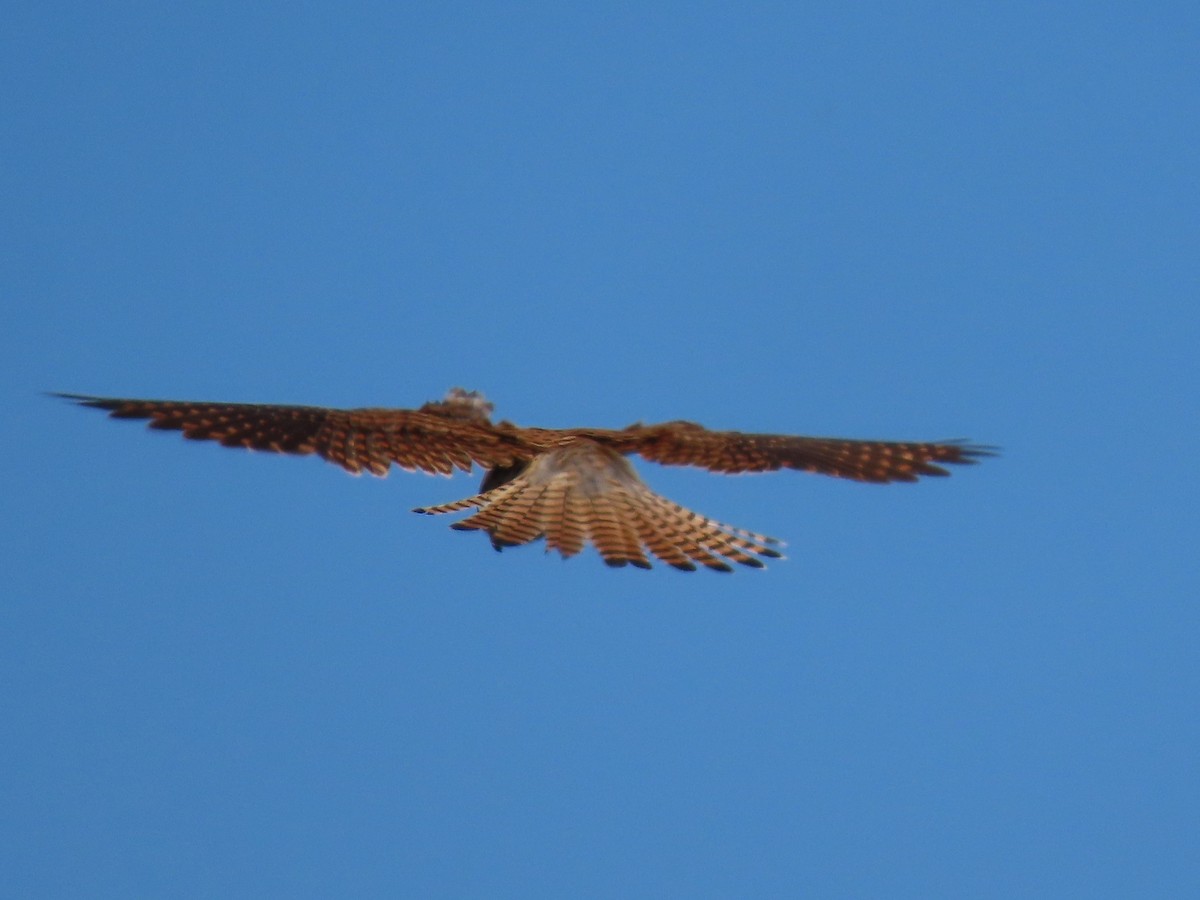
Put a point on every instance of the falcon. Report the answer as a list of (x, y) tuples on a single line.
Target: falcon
[(571, 486)]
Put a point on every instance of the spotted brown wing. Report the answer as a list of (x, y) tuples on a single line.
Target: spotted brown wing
[(688, 444), (357, 439)]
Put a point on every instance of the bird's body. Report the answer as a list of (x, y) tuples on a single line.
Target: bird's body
[(571, 486)]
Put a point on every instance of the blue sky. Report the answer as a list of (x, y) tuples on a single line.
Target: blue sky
[(229, 674)]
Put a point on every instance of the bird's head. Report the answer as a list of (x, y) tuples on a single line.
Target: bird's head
[(462, 405)]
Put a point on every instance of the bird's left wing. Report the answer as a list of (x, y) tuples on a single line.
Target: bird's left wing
[(356, 439)]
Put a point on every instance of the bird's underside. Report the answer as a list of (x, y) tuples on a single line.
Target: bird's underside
[(572, 486)]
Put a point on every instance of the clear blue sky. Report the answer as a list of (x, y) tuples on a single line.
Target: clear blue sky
[(229, 674)]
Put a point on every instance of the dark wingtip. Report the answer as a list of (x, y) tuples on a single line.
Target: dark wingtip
[(970, 453), (107, 403), (81, 399)]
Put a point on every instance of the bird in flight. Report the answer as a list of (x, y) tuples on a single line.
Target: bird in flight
[(572, 486)]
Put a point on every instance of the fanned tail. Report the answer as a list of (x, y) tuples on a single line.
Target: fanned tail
[(621, 521)]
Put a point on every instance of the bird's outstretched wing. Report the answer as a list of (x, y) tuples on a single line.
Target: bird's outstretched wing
[(688, 444), (584, 492), (358, 440)]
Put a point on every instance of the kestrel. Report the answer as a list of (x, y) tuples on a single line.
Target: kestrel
[(572, 486)]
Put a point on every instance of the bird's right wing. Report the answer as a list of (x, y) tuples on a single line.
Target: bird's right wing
[(688, 444)]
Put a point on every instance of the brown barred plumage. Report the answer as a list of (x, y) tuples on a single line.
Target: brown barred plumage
[(584, 491), (571, 486)]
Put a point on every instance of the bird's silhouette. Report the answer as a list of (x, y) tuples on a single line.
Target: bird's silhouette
[(572, 486)]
